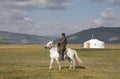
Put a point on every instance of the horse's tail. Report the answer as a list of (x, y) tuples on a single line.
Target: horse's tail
[(77, 58)]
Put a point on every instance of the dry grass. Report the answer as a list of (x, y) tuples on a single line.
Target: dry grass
[(112, 46), (32, 62)]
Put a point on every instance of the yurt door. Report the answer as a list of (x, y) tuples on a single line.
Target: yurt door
[(88, 45)]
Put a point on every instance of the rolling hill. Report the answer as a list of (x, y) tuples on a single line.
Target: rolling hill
[(110, 35), (17, 38)]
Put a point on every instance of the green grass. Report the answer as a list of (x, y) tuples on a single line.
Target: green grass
[(32, 62)]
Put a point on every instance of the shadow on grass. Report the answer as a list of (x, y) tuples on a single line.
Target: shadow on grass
[(76, 67), (80, 67)]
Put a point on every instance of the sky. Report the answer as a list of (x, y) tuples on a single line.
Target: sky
[(53, 17)]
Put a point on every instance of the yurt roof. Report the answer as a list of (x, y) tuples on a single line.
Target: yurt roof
[(94, 40)]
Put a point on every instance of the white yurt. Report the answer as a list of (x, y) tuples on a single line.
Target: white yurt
[(94, 43)]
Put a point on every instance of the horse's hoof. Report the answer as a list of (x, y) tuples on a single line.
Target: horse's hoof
[(73, 67), (50, 68), (70, 68), (59, 68)]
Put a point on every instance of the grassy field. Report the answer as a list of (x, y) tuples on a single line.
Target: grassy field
[(32, 62)]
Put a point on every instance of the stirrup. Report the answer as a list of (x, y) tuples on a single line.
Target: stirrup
[(65, 56), (61, 58)]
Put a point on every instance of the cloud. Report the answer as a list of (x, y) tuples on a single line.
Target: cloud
[(55, 28), (17, 12), (40, 4), (49, 4), (108, 18), (115, 2), (97, 1), (15, 15)]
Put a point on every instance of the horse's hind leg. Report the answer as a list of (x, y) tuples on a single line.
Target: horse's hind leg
[(59, 66), (74, 64), (51, 62)]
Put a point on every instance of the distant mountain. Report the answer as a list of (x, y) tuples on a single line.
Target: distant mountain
[(110, 35), (17, 38)]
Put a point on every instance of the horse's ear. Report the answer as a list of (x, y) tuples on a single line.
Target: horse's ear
[(52, 41)]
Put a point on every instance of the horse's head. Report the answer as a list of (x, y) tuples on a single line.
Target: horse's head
[(49, 44)]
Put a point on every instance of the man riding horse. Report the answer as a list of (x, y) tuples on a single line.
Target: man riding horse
[(62, 46)]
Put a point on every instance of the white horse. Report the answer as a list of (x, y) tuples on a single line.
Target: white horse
[(54, 55)]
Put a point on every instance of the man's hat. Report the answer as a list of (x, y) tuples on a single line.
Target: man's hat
[(63, 34)]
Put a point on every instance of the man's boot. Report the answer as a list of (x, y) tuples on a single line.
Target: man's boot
[(61, 57)]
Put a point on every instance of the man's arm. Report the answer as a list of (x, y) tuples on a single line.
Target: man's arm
[(62, 40)]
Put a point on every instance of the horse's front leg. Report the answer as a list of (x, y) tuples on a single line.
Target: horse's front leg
[(51, 62), (59, 66)]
